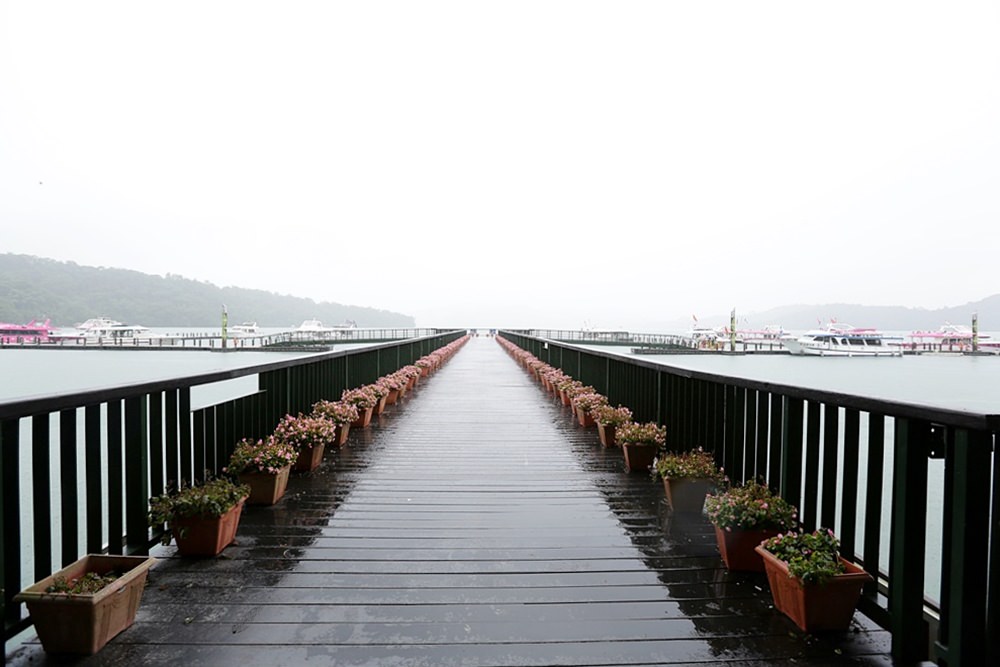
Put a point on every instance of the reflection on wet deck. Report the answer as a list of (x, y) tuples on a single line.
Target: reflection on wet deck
[(475, 523)]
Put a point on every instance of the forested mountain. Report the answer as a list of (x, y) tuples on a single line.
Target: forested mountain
[(67, 293)]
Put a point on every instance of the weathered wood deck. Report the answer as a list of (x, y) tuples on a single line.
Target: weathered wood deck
[(476, 523)]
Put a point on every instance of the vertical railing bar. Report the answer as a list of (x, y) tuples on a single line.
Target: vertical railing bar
[(137, 474), (831, 432), (10, 478), (965, 554), (41, 494), (774, 439), (810, 497), (849, 486), (156, 449), (760, 462), (873, 499), (907, 540), (791, 450), (69, 510), (184, 430), (93, 472), (116, 527)]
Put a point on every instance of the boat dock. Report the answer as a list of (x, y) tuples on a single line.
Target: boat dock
[(474, 523)]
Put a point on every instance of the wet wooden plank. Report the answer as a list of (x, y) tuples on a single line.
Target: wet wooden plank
[(475, 523)]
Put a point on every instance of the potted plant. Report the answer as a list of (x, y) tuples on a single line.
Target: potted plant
[(745, 516), (584, 402), (308, 435), (364, 399), (340, 414), (84, 605), (264, 466), (608, 420), (640, 443), (202, 519), (382, 394), (810, 582), (687, 478), (395, 383)]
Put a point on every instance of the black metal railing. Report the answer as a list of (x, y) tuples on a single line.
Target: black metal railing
[(846, 461), (77, 469)]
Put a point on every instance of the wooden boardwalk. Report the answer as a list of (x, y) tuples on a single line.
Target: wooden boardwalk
[(476, 523)]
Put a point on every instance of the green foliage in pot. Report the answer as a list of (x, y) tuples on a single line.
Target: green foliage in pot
[(751, 507), (812, 557), (212, 499), (697, 464)]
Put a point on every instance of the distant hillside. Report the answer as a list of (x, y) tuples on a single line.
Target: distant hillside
[(35, 287), (886, 318)]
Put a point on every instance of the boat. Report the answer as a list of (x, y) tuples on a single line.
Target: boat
[(315, 329), (107, 328), (32, 332), (245, 329), (843, 340)]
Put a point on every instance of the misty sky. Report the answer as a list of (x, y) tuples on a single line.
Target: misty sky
[(560, 164)]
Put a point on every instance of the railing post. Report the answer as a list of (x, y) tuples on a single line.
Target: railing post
[(136, 475), (10, 518), (907, 541), (791, 450), (963, 635)]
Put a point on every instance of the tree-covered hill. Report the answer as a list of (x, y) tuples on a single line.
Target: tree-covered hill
[(67, 293)]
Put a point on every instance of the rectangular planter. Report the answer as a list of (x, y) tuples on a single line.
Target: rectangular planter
[(206, 536), (738, 548), (638, 458), (687, 494), (607, 435), (83, 624), (815, 607)]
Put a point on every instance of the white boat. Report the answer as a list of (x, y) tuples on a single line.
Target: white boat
[(105, 327), (843, 340), (245, 329)]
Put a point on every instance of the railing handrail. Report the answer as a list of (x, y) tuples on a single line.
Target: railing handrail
[(948, 416), (38, 404)]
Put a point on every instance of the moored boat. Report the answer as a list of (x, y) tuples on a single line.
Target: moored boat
[(843, 340), (32, 332)]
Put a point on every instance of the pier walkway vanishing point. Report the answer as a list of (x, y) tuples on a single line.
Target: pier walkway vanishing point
[(475, 523)]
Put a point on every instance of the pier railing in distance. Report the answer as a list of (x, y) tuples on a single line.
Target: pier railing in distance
[(846, 461), (77, 469)]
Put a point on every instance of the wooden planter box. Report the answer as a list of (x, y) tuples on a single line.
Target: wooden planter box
[(206, 536), (815, 607), (83, 624)]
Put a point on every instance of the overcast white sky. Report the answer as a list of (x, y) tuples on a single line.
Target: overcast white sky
[(513, 163)]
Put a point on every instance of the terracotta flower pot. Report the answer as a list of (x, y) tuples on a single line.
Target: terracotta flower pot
[(206, 536), (607, 434), (584, 417), (738, 547), (380, 406), (83, 624), (687, 494), (341, 435), (813, 607), (392, 397), (564, 397), (265, 488), (309, 458), (364, 418), (638, 457)]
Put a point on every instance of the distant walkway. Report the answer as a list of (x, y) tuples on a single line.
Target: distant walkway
[(476, 523)]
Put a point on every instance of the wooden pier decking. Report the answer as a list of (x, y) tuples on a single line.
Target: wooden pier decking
[(474, 523)]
